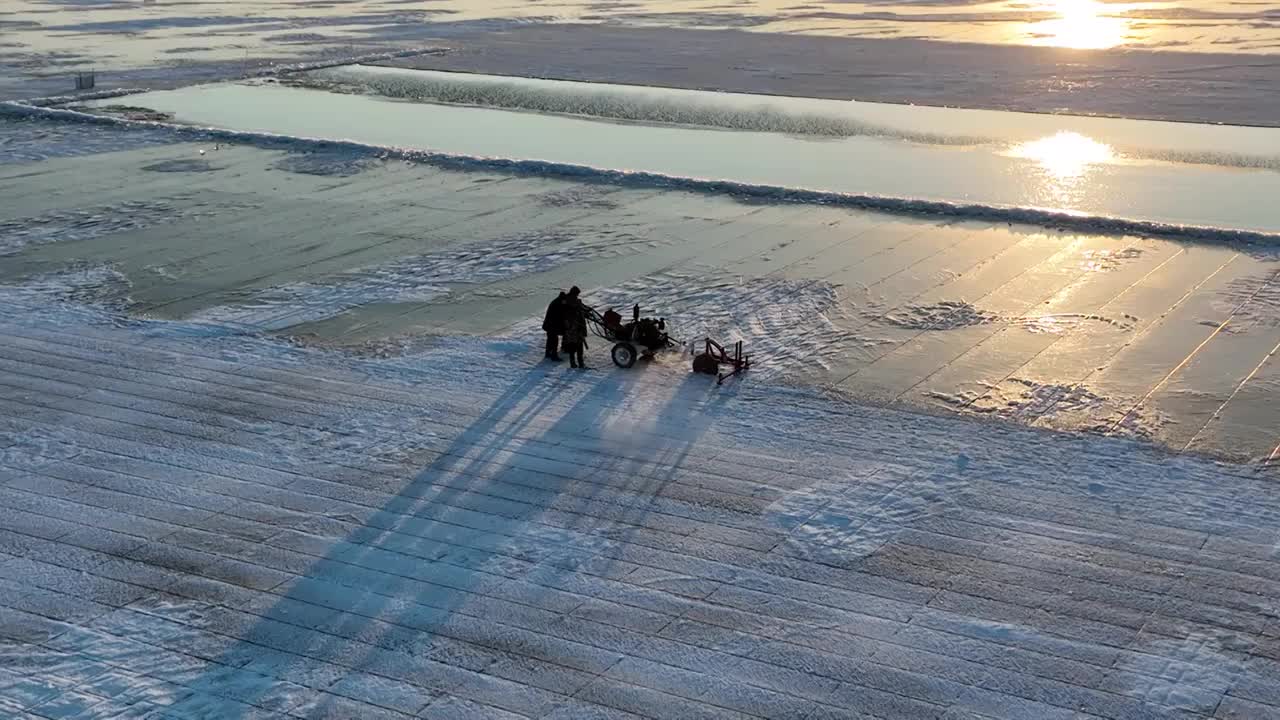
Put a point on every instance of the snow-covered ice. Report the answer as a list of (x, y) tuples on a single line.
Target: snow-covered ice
[(86, 224), (382, 255), (206, 524), (422, 278), (276, 440)]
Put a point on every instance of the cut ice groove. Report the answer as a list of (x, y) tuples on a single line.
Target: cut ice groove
[(1163, 381), (960, 307), (1236, 391), (1263, 307), (1076, 278), (1077, 390), (1170, 309)]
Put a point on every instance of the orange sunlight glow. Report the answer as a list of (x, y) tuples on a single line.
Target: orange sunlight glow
[(1081, 24), (1066, 160), (1065, 155)]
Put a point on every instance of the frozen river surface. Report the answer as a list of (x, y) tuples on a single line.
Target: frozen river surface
[(1158, 172)]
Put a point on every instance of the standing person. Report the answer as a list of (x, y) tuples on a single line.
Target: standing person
[(575, 329), (553, 325)]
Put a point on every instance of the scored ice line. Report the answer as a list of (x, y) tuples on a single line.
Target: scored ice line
[(1216, 331)]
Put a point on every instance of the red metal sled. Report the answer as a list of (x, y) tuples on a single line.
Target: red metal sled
[(715, 356)]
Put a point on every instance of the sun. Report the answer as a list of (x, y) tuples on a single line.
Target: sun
[(1080, 24)]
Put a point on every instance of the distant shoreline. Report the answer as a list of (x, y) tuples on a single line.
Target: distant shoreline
[(1221, 89), (1213, 88)]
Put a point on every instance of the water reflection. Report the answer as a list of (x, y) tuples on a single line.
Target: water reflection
[(1081, 24), (1065, 160), (1066, 155)]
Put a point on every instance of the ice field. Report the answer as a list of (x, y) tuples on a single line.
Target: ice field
[(277, 440)]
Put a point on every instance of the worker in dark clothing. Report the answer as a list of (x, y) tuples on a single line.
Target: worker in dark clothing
[(575, 329), (553, 326)]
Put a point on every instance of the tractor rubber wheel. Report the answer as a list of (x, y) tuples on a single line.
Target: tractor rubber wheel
[(624, 355)]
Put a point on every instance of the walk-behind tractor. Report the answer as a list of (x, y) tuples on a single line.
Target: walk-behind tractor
[(646, 337), (641, 337)]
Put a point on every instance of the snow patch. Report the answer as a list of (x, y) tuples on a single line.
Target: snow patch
[(130, 112), (1142, 422), (89, 223), (327, 164), (594, 198), (1023, 400), (187, 165), (1252, 302), (310, 65), (359, 439), (418, 279), (1191, 673), (840, 522), (23, 445), (957, 314), (785, 325), (1108, 260), (99, 285), (354, 438), (31, 140), (943, 315), (1062, 323), (1029, 401)]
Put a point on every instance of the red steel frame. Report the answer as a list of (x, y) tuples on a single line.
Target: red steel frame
[(738, 360)]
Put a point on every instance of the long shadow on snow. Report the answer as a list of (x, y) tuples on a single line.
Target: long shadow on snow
[(490, 518)]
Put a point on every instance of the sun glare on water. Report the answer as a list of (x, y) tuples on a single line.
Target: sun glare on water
[(1065, 162), (1080, 24), (1065, 155)]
